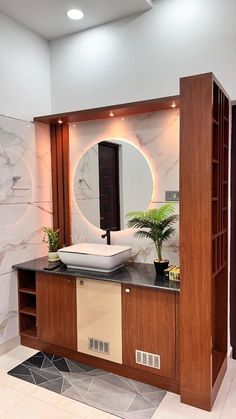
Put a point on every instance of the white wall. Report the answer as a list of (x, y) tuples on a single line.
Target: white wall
[(144, 56), (24, 71), (25, 173)]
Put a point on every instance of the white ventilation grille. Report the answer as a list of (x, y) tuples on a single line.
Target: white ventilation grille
[(98, 346), (147, 359)]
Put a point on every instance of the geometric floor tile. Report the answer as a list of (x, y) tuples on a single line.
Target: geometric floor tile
[(120, 396)]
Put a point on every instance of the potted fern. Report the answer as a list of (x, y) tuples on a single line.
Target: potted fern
[(52, 239), (155, 224)]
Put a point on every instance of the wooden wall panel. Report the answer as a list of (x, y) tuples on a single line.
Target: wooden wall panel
[(195, 240), (61, 181), (204, 131)]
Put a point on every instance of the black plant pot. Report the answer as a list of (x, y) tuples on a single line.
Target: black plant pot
[(161, 266)]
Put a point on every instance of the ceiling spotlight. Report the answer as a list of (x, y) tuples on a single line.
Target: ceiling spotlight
[(111, 114), (75, 14), (60, 121), (173, 105)]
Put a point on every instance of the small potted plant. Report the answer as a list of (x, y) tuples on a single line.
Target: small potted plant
[(52, 238), (155, 224)]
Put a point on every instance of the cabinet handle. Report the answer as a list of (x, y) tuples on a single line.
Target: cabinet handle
[(127, 290)]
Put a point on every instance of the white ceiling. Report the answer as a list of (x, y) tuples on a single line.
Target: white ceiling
[(48, 17)]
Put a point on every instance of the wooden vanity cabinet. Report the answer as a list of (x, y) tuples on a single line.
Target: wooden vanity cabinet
[(56, 310), (150, 325)]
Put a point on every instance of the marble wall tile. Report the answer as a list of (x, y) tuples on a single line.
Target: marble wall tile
[(25, 206), (157, 136), (8, 307)]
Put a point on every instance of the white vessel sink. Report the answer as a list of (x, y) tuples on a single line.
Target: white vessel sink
[(95, 257)]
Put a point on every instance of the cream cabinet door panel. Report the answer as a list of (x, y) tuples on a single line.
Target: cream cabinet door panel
[(99, 317)]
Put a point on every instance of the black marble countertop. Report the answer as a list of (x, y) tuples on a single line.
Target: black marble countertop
[(139, 274)]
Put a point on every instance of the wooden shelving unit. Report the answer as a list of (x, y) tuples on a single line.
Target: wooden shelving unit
[(204, 133), (27, 303), (220, 139)]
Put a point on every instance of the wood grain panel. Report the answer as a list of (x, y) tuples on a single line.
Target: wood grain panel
[(125, 109), (129, 323), (233, 237), (56, 310), (196, 239), (149, 326), (61, 181), (203, 238)]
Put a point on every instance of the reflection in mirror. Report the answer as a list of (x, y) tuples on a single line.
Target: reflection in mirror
[(112, 178)]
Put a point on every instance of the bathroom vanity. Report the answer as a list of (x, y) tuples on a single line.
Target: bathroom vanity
[(119, 321), (126, 322)]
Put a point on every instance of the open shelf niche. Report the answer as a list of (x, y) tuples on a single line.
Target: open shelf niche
[(27, 303)]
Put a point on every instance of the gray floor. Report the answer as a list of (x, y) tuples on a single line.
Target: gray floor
[(109, 392)]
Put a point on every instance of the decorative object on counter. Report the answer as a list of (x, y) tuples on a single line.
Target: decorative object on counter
[(111, 393), (155, 224), (52, 239), (167, 271), (174, 274)]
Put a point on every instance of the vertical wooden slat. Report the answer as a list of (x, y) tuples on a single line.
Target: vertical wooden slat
[(54, 175), (60, 181), (66, 184)]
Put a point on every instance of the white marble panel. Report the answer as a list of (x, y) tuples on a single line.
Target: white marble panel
[(8, 307), (157, 136), (25, 206), (25, 173), (22, 240)]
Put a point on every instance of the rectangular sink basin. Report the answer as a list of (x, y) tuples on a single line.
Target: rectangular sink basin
[(95, 257)]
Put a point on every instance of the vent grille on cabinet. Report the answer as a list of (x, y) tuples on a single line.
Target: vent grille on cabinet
[(98, 346), (147, 359)]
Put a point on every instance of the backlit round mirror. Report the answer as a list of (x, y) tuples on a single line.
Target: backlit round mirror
[(112, 178)]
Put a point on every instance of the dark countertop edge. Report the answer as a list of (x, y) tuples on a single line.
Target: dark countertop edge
[(90, 275)]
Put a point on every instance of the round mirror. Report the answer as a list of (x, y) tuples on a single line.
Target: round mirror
[(112, 179)]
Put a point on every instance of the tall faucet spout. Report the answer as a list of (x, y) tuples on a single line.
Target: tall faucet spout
[(107, 235)]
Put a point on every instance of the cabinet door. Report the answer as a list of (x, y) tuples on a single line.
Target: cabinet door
[(56, 310), (149, 325), (99, 319)]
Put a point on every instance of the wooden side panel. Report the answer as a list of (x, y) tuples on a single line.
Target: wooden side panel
[(149, 326), (196, 240), (60, 181), (233, 237), (56, 310)]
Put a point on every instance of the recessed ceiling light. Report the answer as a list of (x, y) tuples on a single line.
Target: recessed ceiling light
[(111, 114), (173, 105), (75, 14), (60, 121)]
